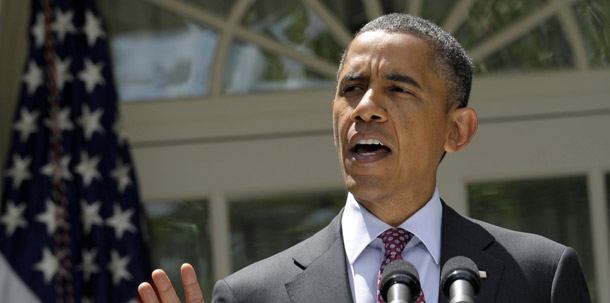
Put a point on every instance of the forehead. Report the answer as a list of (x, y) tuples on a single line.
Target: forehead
[(388, 52)]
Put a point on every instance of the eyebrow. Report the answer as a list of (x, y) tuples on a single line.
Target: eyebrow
[(402, 78), (392, 77), (351, 78)]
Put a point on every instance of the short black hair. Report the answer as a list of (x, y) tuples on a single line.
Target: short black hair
[(450, 61)]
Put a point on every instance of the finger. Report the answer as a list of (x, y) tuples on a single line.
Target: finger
[(192, 290), (147, 293), (164, 287)]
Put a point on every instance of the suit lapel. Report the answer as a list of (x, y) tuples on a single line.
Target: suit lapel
[(324, 277), (462, 237), (323, 261)]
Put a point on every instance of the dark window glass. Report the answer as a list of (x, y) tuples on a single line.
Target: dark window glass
[(349, 12), (180, 233), (594, 20), (261, 227), (543, 48), (487, 18)]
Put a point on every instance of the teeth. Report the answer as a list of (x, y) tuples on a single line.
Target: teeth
[(370, 142)]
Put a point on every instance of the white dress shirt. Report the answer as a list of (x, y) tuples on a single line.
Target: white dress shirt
[(364, 250)]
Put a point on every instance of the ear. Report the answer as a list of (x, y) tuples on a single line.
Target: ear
[(464, 124)]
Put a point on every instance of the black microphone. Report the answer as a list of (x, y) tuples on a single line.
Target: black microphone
[(400, 282), (460, 280)]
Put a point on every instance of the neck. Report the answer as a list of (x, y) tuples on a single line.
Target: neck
[(395, 211)]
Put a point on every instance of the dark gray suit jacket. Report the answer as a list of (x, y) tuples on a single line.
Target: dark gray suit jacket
[(520, 267)]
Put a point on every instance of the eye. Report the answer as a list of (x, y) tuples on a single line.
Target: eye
[(401, 90), (351, 88)]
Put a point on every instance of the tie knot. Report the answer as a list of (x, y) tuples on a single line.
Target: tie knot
[(394, 241)]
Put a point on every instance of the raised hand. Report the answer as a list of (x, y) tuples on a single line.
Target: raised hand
[(167, 294)]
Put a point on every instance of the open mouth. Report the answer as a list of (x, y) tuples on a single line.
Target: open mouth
[(370, 148)]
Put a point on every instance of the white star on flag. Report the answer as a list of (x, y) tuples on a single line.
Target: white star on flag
[(90, 214), (63, 24), (63, 120), (121, 221), (33, 77), (90, 121), (87, 168), (49, 217), (119, 130), (92, 75), (20, 170), (121, 175), (13, 218), (59, 170), (26, 124), (88, 266), (48, 265), (118, 267), (38, 30), (92, 28), (62, 72)]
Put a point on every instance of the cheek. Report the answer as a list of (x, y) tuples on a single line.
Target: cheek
[(340, 115), (419, 135), (340, 125)]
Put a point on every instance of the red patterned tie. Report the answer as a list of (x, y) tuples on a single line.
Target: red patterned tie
[(394, 241)]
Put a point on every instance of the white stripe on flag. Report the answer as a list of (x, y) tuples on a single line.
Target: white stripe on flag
[(12, 288)]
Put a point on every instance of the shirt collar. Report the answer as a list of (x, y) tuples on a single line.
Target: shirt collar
[(360, 227)]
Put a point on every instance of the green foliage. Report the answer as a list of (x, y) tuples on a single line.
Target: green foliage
[(488, 17), (545, 47), (594, 20)]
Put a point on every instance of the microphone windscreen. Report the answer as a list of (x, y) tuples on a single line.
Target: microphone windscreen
[(460, 267), (400, 271)]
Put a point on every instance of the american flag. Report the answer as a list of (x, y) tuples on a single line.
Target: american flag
[(70, 217)]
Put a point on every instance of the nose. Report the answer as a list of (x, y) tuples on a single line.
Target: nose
[(369, 108)]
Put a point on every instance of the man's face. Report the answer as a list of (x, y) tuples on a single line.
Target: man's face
[(390, 117)]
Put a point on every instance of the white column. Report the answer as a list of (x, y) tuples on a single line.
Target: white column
[(598, 213), (221, 236)]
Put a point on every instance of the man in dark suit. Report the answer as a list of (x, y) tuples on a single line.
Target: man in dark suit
[(401, 104)]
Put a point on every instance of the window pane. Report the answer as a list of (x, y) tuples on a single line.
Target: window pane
[(222, 8), (248, 69), (488, 17), (594, 19), (432, 11), (556, 208), (295, 25), (351, 13), (261, 227), (526, 54), (156, 54), (429, 10), (180, 232)]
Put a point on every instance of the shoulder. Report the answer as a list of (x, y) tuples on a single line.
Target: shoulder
[(500, 241), (524, 244), (551, 268), (530, 266)]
